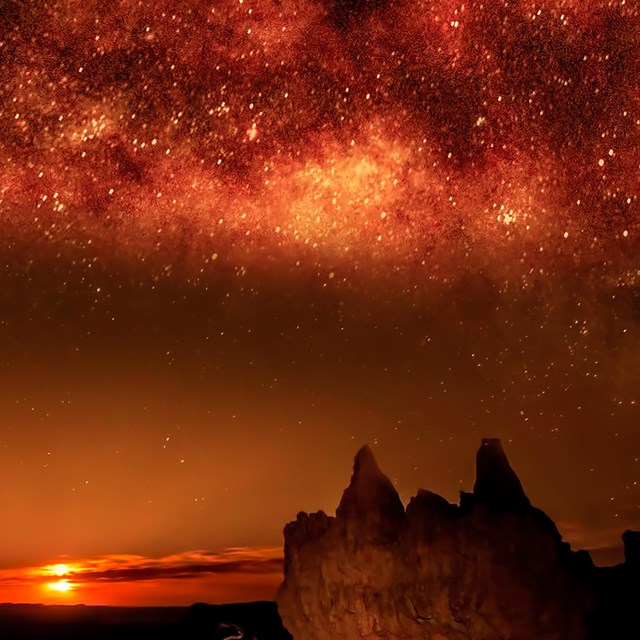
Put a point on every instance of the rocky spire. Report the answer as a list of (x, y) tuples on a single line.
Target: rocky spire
[(497, 485), (437, 572), (370, 496)]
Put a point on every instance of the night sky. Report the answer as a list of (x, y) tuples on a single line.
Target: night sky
[(241, 238)]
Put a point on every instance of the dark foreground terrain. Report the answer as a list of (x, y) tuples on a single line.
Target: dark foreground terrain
[(259, 620)]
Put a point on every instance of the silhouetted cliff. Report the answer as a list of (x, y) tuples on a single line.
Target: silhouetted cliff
[(491, 568), (617, 592)]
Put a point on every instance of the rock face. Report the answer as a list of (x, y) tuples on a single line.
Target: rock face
[(617, 592), (491, 568)]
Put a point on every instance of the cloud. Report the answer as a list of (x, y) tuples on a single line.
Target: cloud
[(133, 568)]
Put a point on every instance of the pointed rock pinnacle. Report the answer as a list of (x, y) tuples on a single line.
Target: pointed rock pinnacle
[(497, 485), (370, 495)]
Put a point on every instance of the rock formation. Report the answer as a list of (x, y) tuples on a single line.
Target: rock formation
[(617, 593), (491, 568), (497, 486), (370, 505)]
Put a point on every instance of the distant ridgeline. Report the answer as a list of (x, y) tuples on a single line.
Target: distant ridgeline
[(491, 568)]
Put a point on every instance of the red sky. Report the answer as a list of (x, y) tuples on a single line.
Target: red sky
[(240, 239), (236, 575)]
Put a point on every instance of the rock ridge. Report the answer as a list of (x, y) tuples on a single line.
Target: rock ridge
[(493, 567)]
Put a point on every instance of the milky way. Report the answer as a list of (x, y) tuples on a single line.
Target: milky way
[(350, 130), (273, 230)]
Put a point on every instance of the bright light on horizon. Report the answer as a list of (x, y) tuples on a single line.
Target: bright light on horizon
[(60, 569), (61, 586), (115, 580)]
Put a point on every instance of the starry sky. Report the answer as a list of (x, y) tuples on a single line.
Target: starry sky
[(241, 238)]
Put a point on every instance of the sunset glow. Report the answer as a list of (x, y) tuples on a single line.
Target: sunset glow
[(59, 569), (126, 579), (61, 586)]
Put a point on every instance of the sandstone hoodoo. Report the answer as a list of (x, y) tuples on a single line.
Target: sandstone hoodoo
[(492, 568), (497, 485), (370, 505)]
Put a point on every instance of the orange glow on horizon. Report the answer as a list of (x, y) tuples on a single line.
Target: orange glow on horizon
[(60, 569), (61, 586), (232, 575)]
